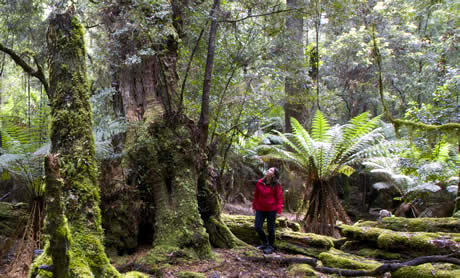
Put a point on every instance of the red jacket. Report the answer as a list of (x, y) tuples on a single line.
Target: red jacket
[(267, 197)]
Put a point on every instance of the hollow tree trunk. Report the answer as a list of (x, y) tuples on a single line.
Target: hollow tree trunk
[(324, 210), (72, 205)]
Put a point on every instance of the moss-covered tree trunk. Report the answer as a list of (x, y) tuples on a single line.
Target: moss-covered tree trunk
[(164, 156), (73, 217)]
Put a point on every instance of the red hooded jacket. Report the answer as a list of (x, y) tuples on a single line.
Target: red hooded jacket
[(267, 197)]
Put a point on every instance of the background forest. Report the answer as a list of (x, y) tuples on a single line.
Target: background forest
[(357, 102)]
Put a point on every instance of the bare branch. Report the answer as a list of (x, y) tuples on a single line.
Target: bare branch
[(38, 73), (259, 15)]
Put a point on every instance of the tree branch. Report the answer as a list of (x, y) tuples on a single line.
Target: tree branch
[(39, 74), (259, 15)]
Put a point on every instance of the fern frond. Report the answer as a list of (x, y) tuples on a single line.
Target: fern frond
[(320, 128), (303, 138)]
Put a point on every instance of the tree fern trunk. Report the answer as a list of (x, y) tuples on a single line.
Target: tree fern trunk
[(324, 210)]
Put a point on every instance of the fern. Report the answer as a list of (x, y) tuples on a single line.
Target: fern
[(326, 153), (320, 128)]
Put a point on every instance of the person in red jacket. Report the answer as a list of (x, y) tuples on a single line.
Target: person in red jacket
[(266, 203)]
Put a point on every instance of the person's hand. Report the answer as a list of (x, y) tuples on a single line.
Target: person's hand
[(254, 211)]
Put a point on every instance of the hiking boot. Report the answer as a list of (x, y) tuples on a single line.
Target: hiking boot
[(262, 246), (269, 250)]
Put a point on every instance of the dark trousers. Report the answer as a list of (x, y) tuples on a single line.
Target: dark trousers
[(260, 218)]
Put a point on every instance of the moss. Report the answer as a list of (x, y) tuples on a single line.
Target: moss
[(430, 243), (361, 233), (424, 271), (309, 239), (301, 270), (444, 224), (79, 231), (379, 254), (189, 274), (338, 259), (134, 274), (308, 251), (433, 243)]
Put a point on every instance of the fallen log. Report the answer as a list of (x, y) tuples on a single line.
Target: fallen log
[(413, 242), (242, 226), (393, 267), (402, 224)]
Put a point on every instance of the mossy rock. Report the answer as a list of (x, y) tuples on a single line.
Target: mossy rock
[(302, 270), (189, 274), (402, 224), (425, 271), (338, 259)]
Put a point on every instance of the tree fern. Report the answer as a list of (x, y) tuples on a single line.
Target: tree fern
[(327, 152)]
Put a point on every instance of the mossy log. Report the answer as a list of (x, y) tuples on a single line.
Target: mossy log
[(402, 224), (287, 236), (408, 242)]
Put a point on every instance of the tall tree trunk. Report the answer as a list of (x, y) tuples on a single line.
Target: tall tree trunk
[(207, 196), (73, 217), (204, 116), (294, 85)]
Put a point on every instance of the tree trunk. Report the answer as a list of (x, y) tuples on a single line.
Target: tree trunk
[(295, 86), (73, 217), (324, 210)]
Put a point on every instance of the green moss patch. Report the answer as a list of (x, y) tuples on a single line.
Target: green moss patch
[(302, 270), (189, 274), (338, 259), (402, 224), (425, 271), (378, 254)]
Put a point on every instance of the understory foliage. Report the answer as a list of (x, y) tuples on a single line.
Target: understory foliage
[(322, 154)]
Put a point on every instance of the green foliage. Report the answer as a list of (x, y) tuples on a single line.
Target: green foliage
[(328, 151), (414, 171)]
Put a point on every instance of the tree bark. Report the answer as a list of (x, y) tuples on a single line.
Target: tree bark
[(74, 222), (294, 85), (204, 117), (324, 210)]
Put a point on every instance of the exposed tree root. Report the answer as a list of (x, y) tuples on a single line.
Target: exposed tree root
[(284, 260), (390, 267)]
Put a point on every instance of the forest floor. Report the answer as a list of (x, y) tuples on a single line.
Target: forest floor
[(229, 263)]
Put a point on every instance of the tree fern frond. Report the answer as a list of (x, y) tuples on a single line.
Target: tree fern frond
[(303, 138), (359, 126), (346, 170), (320, 128), (287, 141)]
